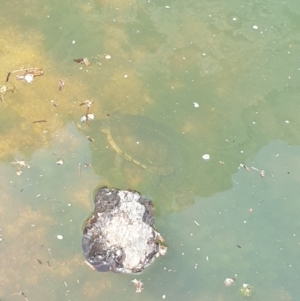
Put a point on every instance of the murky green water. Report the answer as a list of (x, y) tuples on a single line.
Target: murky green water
[(211, 77)]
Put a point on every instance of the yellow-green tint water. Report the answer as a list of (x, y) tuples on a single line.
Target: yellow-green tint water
[(237, 60)]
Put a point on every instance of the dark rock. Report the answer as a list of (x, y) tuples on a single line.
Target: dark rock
[(120, 235)]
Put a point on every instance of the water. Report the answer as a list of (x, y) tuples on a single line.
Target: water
[(238, 61)]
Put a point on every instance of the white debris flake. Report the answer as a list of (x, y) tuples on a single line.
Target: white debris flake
[(255, 27), (196, 105), (29, 77), (287, 121), (206, 157), (60, 237)]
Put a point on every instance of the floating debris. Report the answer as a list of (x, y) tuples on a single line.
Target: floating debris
[(39, 121), (246, 290), (107, 57), (21, 163), (88, 103), (90, 139), (82, 61), (4, 89), (87, 117), (61, 85), (26, 74), (60, 237), (206, 157), (229, 281), (28, 77), (139, 286), (21, 294), (38, 261), (60, 162), (196, 105), (244, 166), (261, 172)]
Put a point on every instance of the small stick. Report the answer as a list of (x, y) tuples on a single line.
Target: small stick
[(39, 121), (243, 165), (38, 261), (21, 294), (8, 75)]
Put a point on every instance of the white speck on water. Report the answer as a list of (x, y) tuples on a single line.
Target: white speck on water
[(73, 42), (167, 6), (234, 19), (125, 76), (60, 237), (253, 122), (203, 54), (138, 142), (182, 254), (164, 296), (206, 157), (207, 258), (287, 121), (38, 195), (198, 249), (255, 27), (196, 105), (29, 78)]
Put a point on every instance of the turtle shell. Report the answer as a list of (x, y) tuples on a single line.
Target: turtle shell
[(144, 142)]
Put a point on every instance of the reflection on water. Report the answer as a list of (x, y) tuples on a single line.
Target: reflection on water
[(238, 61)]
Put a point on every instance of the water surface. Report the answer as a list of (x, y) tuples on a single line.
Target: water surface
[(219, 78)]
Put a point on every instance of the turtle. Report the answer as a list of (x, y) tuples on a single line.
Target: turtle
[(137, 152), (120, 235), (144, 142)]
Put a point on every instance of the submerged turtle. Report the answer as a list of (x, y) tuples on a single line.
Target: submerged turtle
[(143, 142), (148, 157)]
